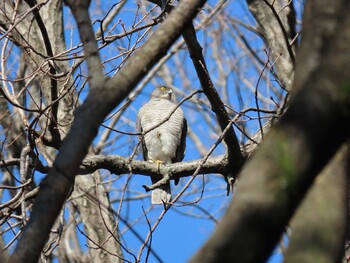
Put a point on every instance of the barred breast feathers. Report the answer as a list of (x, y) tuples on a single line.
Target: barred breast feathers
[(151, 117), (162, 141)]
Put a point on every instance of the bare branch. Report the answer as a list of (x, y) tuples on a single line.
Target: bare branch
[(278, 34), (87, 36), (234, 153), (121, 165)]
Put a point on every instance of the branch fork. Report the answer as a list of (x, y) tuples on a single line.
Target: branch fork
[(166, 178)]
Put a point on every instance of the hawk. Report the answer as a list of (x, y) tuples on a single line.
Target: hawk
[(165, 139)]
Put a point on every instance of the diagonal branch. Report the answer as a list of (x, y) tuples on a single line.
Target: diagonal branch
[(234, 153), (91, 53)]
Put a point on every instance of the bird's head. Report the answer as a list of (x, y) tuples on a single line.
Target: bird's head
[(162, 92)]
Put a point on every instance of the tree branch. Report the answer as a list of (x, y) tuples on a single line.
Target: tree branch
[(56, 137), (120, 165), (318, 235), (286, 35), (278, 33), (234, 152), (87, 36)]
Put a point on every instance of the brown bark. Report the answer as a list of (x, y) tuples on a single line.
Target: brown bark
[(318, 228)]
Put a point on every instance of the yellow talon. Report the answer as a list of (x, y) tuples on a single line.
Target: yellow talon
[(158, 162)]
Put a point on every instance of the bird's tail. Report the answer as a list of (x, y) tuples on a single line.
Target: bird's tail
[(161, 195)]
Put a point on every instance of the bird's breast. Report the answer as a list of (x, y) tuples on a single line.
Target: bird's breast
[(163, 139)]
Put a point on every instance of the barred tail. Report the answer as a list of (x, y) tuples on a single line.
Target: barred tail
[(161, 195)]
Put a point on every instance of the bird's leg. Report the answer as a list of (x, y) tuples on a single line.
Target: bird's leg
[(158, 162)]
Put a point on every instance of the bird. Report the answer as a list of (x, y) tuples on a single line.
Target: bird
[(163, 138)]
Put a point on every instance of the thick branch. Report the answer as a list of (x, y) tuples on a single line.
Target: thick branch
[(56, 138), (319, 226), (117, 164), (311, 51), (278, 31), (286, 35), (121, 165), (87, 36)]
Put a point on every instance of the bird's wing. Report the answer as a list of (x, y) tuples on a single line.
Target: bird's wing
[(141, 137), (181, 148)]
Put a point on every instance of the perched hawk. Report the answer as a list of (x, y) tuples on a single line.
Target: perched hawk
[(167, 142)]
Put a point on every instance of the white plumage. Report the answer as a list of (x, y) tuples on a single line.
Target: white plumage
[(166, 143)]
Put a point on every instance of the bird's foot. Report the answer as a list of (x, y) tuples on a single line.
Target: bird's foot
[(158, 162)]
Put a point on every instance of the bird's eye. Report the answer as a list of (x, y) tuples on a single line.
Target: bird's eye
[(162, 88)]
